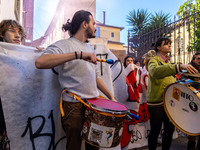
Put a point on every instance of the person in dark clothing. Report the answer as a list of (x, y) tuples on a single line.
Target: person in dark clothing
[(192, 139), (137, 63), (196, 61)]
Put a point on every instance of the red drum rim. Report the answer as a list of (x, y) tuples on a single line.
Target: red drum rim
[(169, 116)]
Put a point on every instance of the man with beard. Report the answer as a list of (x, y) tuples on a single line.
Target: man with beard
[(192, 139), (78, 74)]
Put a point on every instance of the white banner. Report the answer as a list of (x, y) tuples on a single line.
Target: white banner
[(30, 97), (138, 131)]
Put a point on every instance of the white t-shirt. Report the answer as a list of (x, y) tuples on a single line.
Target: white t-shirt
[(77, 76)]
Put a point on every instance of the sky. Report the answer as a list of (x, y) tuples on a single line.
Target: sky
[(116, 12), (43, 14)]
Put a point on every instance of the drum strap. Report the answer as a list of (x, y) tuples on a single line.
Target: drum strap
[(76, 97), (73, 95)]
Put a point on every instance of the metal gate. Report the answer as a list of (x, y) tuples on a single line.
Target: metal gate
[(184, 34)]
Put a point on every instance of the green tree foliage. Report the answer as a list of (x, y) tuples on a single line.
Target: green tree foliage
[(143, 21), (158, 20), (191, 10), (138, 20)]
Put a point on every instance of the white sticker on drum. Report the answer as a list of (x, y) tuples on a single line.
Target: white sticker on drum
[(101, 134), (120, 132), (172, 103)]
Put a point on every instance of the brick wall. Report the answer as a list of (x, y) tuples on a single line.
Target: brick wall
[(121, 54)]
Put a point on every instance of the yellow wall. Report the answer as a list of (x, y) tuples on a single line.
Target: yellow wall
[(184, 34), (99, 40), (105, 36), (115, 46), (105, 32)]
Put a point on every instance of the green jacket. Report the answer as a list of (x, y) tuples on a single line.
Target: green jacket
[(160, 75)]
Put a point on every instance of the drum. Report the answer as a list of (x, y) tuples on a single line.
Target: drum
[(103, 123), (182, 104)]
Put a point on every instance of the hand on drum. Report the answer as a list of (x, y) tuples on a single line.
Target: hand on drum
[(113, 99), (189, 68), (90, 57)]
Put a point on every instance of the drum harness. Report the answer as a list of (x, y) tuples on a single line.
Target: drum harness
[(61, 103)]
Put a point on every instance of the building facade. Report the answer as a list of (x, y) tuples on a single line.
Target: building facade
[(65, 10), (11, 9), (23, 11), (28, 9), (106, 34), (110, 36)]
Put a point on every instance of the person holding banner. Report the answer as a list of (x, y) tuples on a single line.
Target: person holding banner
[(137, 63), (128, 60), (78, 74), (11, 32), (161, 74)]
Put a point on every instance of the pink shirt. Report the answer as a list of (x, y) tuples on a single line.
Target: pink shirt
[(164, 58)]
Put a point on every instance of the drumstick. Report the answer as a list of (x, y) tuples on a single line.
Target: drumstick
[(109, 61), (134, 116)]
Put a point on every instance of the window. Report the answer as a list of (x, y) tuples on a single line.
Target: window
[(180, 43), (112, 34), (17, 9), (97, 34), (27, 41)]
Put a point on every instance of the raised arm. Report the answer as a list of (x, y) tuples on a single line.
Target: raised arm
[(48, 61)]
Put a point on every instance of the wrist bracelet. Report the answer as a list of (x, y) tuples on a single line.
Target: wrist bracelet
[(180, 67), (76, 55), (81, 55)]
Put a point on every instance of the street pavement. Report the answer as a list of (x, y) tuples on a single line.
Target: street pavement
[(179, 143)]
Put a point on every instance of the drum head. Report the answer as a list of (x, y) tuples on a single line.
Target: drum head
[(182, 106), (105, 105)]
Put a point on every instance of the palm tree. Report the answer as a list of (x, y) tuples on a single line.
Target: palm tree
[(138, 20), (158, 20), (142, 22)]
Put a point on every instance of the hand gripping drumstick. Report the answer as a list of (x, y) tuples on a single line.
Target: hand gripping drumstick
[(109, 61), (134, 116)]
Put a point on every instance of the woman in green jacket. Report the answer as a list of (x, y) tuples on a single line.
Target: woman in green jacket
[(161, 74)]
